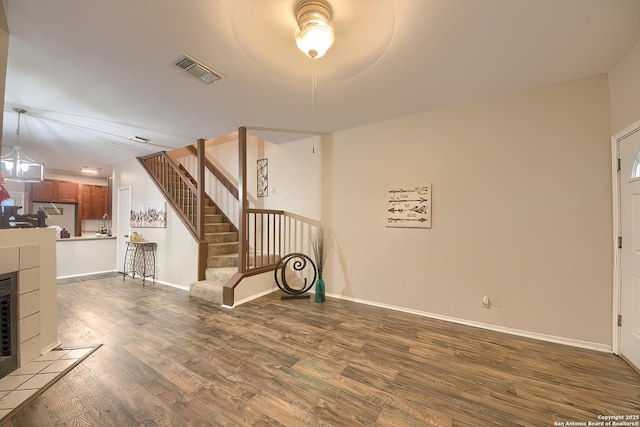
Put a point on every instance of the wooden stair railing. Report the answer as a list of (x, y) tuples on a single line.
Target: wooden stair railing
[(270, 235), (208, 198), (182, 195), (264, 235), (220, 176), (259, 254), (175, 185), (265, 231)]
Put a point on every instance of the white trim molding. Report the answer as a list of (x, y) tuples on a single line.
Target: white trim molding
[(538, 336), (615, 288), (617, 232), (252, 297), (162, 282), (69, 276)]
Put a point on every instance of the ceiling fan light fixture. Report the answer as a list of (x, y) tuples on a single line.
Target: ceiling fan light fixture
[(314, 35)]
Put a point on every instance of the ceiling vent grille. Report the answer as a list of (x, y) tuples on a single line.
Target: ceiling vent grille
[(140, 139), (198, 69)]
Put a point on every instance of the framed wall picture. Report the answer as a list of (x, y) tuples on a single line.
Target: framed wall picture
[(263, 177), (409, 207), (149, 215)]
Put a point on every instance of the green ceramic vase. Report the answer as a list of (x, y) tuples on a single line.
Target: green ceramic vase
[(320, 290)]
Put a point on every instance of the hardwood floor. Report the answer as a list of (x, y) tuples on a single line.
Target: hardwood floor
[(168, 360)]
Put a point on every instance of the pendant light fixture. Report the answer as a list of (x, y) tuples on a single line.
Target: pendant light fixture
[(314, 35), (17, 166)]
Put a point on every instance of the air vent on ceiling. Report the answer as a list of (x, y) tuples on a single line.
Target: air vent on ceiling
[(198, 69), (140, 139)]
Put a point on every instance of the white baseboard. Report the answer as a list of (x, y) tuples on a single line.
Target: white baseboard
[(252, 297), (173, 285), (535, 335), (50, 347), (147, 280), (86, 274)]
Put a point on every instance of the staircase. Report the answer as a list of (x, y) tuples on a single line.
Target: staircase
[(222, 260), (219, 241)]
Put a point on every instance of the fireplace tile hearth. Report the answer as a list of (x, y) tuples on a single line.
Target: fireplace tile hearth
[(38, 381), (12, 382), (22, 385)]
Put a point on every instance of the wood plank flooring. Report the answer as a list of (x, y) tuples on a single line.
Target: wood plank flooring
[(168, 360)]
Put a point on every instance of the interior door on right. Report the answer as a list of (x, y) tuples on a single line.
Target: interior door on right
[(630, 253)]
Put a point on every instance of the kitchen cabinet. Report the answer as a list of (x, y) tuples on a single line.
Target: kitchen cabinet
[(68, 192), (51, 190), (93, 201)]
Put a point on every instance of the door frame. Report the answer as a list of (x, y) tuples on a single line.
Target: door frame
[(119, 234), (617, 231)]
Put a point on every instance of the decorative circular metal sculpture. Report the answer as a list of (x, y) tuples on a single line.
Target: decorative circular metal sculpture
[(304, 267)]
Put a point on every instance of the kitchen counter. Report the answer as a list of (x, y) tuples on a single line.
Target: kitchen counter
[(81, 255), (82, 238)]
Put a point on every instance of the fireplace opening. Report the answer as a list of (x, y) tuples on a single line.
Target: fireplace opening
[(8, 323)]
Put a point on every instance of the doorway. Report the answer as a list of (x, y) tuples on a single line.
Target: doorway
[(626, 302)]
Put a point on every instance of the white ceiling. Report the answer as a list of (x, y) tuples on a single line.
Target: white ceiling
[(94, 73)]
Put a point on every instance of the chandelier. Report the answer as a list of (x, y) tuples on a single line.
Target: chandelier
[(17, 166)]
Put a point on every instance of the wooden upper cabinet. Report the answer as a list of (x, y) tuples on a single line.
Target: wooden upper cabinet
[(93, 201), (68, 192), (51, 190), (85, 201), (43, 191), (99, 202)]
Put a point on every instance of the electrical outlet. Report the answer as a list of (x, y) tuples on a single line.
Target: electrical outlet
[(486, 302), (273, 190)]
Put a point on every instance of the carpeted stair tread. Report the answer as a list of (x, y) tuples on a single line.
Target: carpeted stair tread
[(220, 274), (223, 261), (207, 290), (223, 248), (222, 237)]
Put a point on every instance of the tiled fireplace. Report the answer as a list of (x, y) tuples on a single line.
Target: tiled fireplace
[(8, 323), (23, 263)]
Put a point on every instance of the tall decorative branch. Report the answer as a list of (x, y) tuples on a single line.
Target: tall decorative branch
[(320, 252), (318, 244)]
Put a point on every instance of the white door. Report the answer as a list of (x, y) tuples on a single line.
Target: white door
[(123, 225), (630, 253)]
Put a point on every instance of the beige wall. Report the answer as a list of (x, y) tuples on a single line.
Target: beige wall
[(295, 173), (624, 83), (177, 254), (521, 211)]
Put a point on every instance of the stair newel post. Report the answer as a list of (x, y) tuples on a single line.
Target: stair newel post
[(242, 199), (202, 244)]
